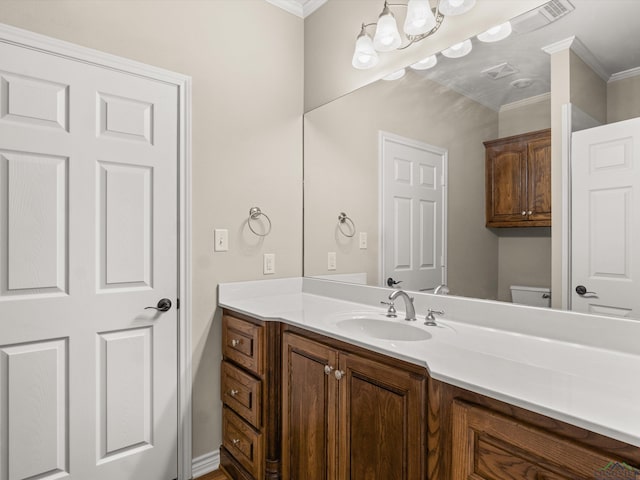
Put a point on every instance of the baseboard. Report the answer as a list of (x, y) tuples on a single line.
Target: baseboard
[(205, 464)]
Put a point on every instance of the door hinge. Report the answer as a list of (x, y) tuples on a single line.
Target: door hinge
[(178, 304)]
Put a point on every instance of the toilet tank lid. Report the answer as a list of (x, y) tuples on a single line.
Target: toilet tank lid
[(530, 289)]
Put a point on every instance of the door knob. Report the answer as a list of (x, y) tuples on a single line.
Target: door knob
[(391, 282), (163, 305), (582, 290)]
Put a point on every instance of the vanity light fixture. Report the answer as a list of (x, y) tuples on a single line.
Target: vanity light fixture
[(458, 50), (421, 22), (497, 33), (426, 63), (456, 7)]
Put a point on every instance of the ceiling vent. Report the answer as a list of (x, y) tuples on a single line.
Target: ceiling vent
[(500, 71), (555, 9), (540, 17)]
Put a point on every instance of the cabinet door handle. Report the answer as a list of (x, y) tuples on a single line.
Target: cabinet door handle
[(235, 342), (523, 213), (339, 374), (328, 369), (233, 393), (529, 212), (235, 442)]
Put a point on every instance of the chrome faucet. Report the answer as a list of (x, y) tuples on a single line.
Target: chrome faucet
[(408, 302), (441, 290)]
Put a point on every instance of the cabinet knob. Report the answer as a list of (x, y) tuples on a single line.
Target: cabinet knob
[(529, 212), (339, 374), (235, 442), (524, 213), (328, 369), (235, 342), (233, 393)]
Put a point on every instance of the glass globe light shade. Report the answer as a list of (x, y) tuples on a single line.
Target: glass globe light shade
[(387, 37), (420, 18), (364, 56), (455, 7)]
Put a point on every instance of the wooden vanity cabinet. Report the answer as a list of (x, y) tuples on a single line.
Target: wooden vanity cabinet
[(350, 416), (475, 437), (518, 180), (250, 391)]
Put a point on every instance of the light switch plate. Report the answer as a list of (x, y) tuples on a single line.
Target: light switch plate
[(363, 240), (220, 240), (269, 264), (331, 261)]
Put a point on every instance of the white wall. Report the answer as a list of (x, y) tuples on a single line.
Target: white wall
[(623, 99), (246, 60)]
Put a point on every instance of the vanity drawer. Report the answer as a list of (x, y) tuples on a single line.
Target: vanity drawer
[(242, 393), (243, 442), (243, 343)]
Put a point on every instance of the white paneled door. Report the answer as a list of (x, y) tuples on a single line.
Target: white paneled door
[(413, 213), (605, 164), (88, 239)]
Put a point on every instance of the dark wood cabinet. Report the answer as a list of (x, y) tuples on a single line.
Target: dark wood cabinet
[(347, 416), (472, 436), (250, 391), (518, 180)]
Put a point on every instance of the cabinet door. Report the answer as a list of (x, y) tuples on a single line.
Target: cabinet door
[(382, 421), (488, 445), (309, 410), (539, 179), (506, 183)]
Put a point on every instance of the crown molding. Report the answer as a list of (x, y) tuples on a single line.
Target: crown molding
[(582, 51), (633, 72), (297, 8), (543, 97)]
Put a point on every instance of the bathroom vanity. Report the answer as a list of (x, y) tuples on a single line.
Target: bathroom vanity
[(317, 387)]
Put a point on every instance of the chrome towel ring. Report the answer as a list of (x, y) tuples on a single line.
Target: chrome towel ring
[(344, 220), (254, 214)]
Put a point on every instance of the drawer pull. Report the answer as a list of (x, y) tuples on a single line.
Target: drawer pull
[(235, 442), (233, 393), (328, 369), (235, 342), (339, 374)]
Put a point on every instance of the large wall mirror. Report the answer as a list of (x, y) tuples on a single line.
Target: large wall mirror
[(445, 113)]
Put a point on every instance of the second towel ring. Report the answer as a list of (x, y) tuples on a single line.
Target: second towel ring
[(343, 219), (254, 214)]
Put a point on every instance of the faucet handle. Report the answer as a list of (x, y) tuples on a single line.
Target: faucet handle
[(391, 311), (430, 319)]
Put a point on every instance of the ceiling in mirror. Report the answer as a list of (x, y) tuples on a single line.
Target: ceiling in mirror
[(495, 74)]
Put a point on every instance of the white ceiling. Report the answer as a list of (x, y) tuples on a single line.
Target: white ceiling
[(608, 39), (301, 8)]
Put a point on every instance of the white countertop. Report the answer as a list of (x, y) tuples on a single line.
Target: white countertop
[(589, 378)]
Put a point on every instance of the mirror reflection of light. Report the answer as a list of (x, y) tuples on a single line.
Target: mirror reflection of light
[(497, 33), (426, 63), (458, 50)]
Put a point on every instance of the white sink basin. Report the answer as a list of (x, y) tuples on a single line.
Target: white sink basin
[(383, 329)]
